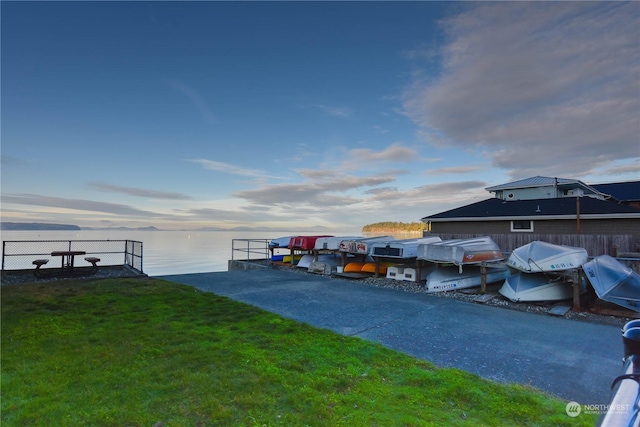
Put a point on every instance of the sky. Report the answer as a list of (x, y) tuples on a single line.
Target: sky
[(287, 115)]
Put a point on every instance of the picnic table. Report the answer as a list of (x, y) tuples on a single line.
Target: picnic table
[(67, 264)]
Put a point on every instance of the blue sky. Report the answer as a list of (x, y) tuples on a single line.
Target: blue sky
[(300, 114)]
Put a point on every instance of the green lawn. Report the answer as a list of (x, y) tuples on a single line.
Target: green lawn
[(145, 352)]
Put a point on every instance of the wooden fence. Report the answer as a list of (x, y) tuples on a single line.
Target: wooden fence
[(594, 244)]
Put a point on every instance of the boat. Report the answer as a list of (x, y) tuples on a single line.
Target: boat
[(280, 242), (613, 281), (461, 251), (329, 259), (449, 278), (306, 243), (332, 243), (370, 267), (362, 246), (353, 267), (540, 257), (404, 249), (530, 287)]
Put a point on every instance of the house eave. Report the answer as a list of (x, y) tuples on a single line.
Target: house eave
[(534, 217)]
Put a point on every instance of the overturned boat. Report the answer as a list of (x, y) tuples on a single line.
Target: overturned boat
[(332, 243), (450, 278), (614, 281), (461, 251), (540, 257), (531, 287), (362, 246), (402, 249)]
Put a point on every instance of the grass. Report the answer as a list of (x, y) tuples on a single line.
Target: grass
[(146, 352)]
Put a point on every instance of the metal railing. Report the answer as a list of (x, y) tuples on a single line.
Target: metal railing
[(20, 254), (250, 250)]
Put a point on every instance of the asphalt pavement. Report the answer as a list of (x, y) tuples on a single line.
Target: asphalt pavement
[(574, 360)]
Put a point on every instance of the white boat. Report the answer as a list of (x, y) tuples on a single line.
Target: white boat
[(333, 243), (280, 242), (362, 246), (450, 278), (461, 251), (405, 248), (614, 281), (329, 259), (523, 287), (540, 257)]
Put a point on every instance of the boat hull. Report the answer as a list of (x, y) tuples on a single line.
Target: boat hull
[(449, 278), (401, 249), (362, 246), (461, 251), (536, 287), (540, 257), (614, 281), (332, 243)]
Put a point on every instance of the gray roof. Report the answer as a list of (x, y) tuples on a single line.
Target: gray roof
[(563, 207), (536, 181)]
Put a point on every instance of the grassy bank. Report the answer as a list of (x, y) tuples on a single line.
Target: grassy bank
[(136, 352)]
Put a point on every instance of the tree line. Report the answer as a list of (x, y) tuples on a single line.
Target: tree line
[(394, 226)]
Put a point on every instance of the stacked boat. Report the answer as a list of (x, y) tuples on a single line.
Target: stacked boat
[(542, 272), (614, 282), (462, 263)]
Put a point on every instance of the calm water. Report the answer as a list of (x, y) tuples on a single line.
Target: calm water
[(169, 252)]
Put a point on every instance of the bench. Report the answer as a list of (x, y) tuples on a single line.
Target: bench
[(39, 263), (94, 263)]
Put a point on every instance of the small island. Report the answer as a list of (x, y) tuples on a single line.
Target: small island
[(395, 227), (30, 226)]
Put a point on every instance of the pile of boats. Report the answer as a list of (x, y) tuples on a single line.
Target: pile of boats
[(537, 271)]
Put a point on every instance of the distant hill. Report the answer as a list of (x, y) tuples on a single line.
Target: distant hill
[(36, 226), (149, 228)]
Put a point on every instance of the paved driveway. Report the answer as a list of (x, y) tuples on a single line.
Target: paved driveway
[(570, 359)]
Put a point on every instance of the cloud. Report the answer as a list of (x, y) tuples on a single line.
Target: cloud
[(342, 112), (394, 153), (233, 169), (139, 192), (196, 99), (542, 87), (76, 204), (455, 170), (322, 194)]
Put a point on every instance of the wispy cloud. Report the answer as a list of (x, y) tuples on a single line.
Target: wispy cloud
[(342, 112), (233, 169), (196, 99), (543, 87), (453, 170), (392, 154), (138, 192), (76, 204)]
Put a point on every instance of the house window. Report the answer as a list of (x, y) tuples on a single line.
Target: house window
[(522, 226)]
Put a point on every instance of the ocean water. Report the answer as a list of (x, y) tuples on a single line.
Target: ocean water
[(169, 252)]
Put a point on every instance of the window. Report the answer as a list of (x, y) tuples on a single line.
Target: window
[(522, 226)]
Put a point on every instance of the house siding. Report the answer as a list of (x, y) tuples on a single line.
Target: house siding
[(597, 236)]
